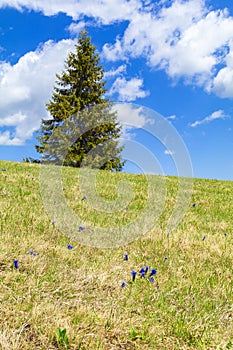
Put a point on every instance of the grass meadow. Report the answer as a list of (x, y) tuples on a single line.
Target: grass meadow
[(60, 294)]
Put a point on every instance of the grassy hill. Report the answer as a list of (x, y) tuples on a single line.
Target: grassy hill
[(61, 298)]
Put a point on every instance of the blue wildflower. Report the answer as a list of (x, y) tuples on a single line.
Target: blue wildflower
[(203, 238), (152, 279), (146, 269), (126, 208), (124, 284), (84, 198), (126, 257), (31, 251), (225, 234), (193, 205), (142, 272), (153, 272), (69, 246), (81, 228), (133, 273), (165, 259), (16, 264)]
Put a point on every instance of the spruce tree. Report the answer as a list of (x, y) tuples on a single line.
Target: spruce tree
[(78, 102)]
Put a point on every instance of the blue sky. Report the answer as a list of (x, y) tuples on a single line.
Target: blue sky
[(171, 56)]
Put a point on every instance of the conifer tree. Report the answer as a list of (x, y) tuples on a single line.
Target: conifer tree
[(78, 100)]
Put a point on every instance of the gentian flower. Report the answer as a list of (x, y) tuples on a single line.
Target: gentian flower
[(165, 259), (152, 279), (31, 251), (142, 272), (203, 238), (69, 246), (225, 234), (81, 228), (16, 265), (153, 272), (126, 257), (146, 269), (133, 273), (84, 198), (124, 284), (193, 205)]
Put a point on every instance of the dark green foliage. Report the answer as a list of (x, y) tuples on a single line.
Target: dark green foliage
[(31, 160), (82, 118)]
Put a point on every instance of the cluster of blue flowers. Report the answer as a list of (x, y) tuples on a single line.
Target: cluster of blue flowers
[(145, 272), (16, 261)]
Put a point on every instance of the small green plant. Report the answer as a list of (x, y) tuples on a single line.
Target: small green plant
[(62, 338), (133, 333)]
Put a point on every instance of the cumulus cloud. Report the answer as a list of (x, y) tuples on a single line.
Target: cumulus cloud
[(215, 115), (222, 83), (75, 28), (113, 72), (128, 90), (185, 39), (104, 11), (130, 115), (25, 88), (7, 140)]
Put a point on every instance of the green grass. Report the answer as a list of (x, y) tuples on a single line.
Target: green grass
[(72, 299)]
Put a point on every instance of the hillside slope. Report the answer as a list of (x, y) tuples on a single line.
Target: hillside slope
[(61, 294)]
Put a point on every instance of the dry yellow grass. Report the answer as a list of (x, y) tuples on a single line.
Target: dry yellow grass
[(189, 306)]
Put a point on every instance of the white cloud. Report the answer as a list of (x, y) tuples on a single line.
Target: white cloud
[(25, 88), (128, 90), (115, 52), (185, 39), (12, 120), (222, 84), (215, 115), (130, 115), (114, 72), (171, 117), (169, 152), (104, 11), (75, 28), (7, 139)]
